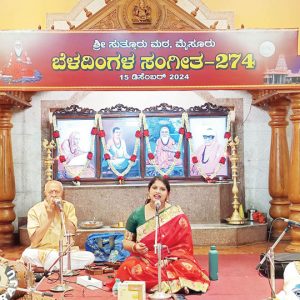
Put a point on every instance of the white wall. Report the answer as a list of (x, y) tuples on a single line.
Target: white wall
[(27, 147)]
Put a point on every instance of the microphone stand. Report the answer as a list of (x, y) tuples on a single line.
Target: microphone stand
[(61, 287), (47, 272), (271, 257), (69, 272), (157, 250)]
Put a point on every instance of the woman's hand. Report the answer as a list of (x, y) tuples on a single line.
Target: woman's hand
[(140, 248)]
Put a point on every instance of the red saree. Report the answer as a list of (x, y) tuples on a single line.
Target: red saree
[(179, 267)]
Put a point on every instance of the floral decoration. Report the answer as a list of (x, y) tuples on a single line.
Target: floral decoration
[(89, 155), (101, 133), (142, 130), (76, 180), (259, 217), (94, 131)]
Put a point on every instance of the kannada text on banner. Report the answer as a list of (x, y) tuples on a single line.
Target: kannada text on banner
[(37, 60)]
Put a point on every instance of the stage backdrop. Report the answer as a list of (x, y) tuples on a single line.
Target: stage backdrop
[(240, 59)]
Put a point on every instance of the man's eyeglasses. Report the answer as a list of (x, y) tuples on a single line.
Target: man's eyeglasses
[(208, 137)]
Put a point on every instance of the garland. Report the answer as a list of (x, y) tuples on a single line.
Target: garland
[(184, 130), (61, 157)]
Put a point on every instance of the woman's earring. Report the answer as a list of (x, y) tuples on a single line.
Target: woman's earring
[(148, 199)]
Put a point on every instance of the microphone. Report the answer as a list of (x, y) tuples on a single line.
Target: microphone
[(291, 222), (58, 204), (157, 204)]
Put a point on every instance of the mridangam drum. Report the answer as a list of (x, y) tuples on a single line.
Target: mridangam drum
[(14, 275)]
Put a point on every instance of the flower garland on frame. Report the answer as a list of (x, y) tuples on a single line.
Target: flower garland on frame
[(222, 160), (177, 154), (133, 156), (97, 129), (61, 157)]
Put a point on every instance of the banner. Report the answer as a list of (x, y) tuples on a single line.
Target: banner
[(239, 59)]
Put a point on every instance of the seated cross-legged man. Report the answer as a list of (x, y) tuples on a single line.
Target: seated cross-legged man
[(45, 229)]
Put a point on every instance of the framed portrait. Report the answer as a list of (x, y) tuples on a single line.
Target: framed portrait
[(120, 143), (113, 143), (164, 143), (209, 144), (75, 143)]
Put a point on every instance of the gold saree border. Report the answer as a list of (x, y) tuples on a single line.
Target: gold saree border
[(164, 217)]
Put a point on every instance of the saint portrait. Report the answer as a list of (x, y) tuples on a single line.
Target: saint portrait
[(163, 141), (74, 144), (119, 141), (208, 144)]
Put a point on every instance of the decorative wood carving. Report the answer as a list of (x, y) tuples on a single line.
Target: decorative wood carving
[(9, 101), (16, 99), (141, 15), (209, 108), (173, 22), (195, 11), (87, 12), (163, 107), (133, 14), (74, 110), (294, 174), (119, 108), (264, 98), (7, 178), (279, 166), (71, 26), (108, 22)]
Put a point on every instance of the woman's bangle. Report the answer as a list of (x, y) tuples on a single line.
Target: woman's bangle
[(133, 247)]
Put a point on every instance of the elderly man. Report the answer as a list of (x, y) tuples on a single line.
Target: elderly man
[(208, 153), (45, 229), (165, 149), (19, 65)]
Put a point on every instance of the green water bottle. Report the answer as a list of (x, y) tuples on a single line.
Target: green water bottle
[(213, 263), (116, 287)]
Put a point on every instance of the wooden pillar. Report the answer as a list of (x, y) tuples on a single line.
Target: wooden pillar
[(294, 174), (7, 178), (279, 165)]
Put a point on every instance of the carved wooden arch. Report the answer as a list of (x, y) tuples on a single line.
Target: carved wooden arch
[(163, 15)]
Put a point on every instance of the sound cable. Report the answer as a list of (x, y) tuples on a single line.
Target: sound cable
[(267, 262)]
